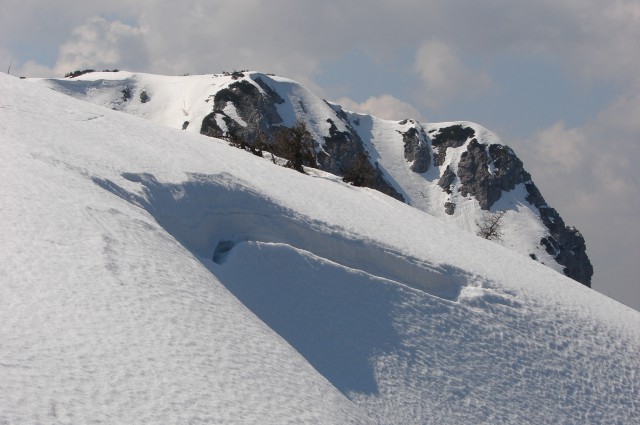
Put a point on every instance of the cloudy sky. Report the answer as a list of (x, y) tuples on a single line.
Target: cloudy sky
[(557, 80)]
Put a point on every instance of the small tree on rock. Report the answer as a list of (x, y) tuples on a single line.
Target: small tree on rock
[(490, 226), (359, 172), (295, 144), (236, 141)]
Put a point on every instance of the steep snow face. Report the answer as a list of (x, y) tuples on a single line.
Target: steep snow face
[(155, 275), (458, 171)]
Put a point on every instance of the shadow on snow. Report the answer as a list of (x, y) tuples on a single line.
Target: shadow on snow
[(327, 292)]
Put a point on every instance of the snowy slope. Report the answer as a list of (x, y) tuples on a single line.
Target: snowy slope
[(105, 317), (126, 241), (248, 102)]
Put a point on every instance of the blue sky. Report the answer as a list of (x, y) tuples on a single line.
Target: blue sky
[(531, 94), (558, 81)]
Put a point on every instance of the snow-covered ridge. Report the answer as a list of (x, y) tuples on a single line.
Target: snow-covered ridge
[(243, 215), (114, 309), (456, 171)]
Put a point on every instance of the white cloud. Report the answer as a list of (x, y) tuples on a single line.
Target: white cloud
[(594, 162), (385, 107), (558, 146), (9, 64), (611, 33), (99, 43), (279, 36), (623, 114), (445, 75), (590, 175), (34, 69), (592, 38)]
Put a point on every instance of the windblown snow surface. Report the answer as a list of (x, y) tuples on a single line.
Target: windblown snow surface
[(150, 275)]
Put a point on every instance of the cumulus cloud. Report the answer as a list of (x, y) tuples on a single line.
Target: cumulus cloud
[(592, 38), (35, 69), (385, 107), (558, 146), (101, 44), (590, 174), (445, 75), (279, 36), (593, 162), (622, 114)]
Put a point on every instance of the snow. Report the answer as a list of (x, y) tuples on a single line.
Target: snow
[(231, 111), (176, 99), (326, 303), (107, 318), (173, 100)]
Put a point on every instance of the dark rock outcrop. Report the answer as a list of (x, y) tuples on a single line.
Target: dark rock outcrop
[(416, 150), (485, 171), (346, 149), (449, 137), (255, 108), (565, 243), (339, 149), (449, 208), (447, 179), (342, 149)]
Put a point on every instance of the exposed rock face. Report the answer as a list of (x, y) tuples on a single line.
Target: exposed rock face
[(341, 149), (447, 179), (565, 243), (485, 171), (416, 150), (449, 137), (449, 208), (336, 151), (256, 109)]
